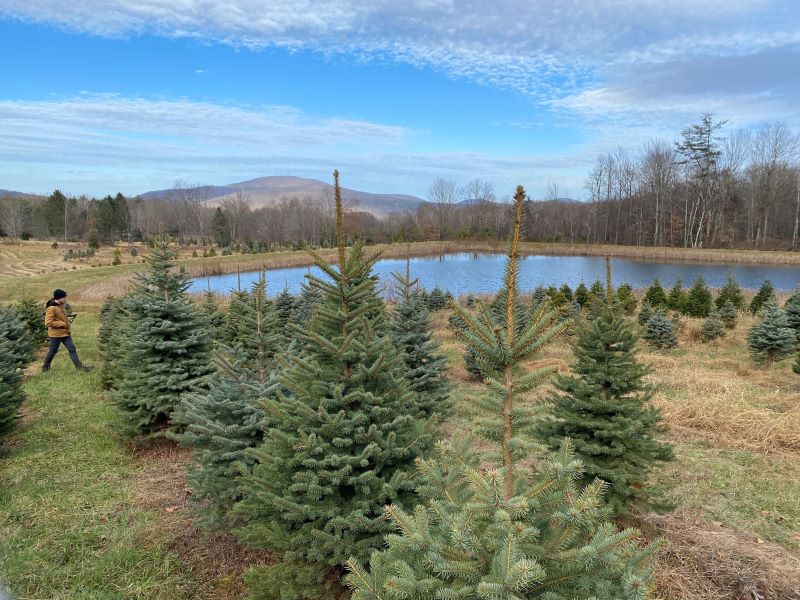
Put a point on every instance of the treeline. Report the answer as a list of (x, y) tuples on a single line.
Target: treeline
[(709, 188)]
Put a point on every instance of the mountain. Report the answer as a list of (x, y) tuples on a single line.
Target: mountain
[(13, 194), (265, 191)]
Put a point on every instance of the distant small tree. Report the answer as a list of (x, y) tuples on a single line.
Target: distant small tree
[(677, 297), (771, 339), (730, 292), (712, 328), (660, 332), (792, 310), (221, 228), (729, 315), (116, 257), (655, 296), (582, 294), (626, 299), (645, 312), (765, 293), (698, 301), (436, 299)]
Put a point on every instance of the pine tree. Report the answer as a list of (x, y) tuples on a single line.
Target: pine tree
[(728, 314), (730, 292), (792, 310), (566, 291), (340, 443), (285, 307), (112, 332), (626, 299), (771, 339), (698, 300), (660, 331), (598, 290), (166, 349), (425, 366), (765, 293), (582, 294), (11, 394), (712, 328), (496, 533), (605, 409), (31, 313), (13, 330), (655, 295), (232, 323), (677, 297), (538, 296)]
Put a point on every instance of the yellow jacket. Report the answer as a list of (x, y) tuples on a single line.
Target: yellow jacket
[(55, 319)]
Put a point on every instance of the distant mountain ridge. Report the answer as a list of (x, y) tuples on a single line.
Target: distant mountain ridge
[(13, 194), (265, 191)]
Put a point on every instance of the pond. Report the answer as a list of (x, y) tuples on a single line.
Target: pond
[(470, 273)]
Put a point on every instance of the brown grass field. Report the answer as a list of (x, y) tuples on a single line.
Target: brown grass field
[(734, 533)]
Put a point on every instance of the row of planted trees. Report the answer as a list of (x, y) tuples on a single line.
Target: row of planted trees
[(317, 423)]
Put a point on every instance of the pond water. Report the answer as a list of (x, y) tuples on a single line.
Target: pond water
[(470, 273)]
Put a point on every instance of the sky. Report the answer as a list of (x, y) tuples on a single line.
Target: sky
[(101, 96)]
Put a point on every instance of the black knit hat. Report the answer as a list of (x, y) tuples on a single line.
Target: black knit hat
[(58, 294)]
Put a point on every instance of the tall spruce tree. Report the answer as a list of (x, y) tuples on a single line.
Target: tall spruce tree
[(425, 366), (222, 423), (771, 339), (11, 394), (500, 533), (166, 349), (605, 409), (20, 340), (730, 292), (765, 293), (340, 443)]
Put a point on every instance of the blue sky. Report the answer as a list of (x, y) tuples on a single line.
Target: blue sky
[(100, 96)]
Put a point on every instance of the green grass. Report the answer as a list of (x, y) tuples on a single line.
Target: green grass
[(68, 526)]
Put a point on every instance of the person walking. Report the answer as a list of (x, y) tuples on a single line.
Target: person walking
[(59, 330)]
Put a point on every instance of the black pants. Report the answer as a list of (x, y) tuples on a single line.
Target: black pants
[(68, 344)]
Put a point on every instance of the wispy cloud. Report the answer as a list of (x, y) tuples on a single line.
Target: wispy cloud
[(541, 48), (104, 143)]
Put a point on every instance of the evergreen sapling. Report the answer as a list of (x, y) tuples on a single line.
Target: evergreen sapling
[(771, 339), (712, 328), (13, 330), (765, 293), (730, 292), (660, 331), (11, 394)]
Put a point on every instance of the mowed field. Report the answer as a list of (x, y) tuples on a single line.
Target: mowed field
[(86, 513)]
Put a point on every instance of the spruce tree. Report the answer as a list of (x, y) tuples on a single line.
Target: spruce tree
[(538, 296), (436, 299), (605, 409), (660, 331), (771, 339), (20, 341), (677, 297), (31, 313), (765, 293), (712, 328), (698, 301), (340, 442), (566, 291), (285, 307), (310, 298), (645, 312), (211, 314), (11, 394), (582, 294), (166, 349), (597, 290), (626, 299), (792, 310), (222, 423), (110, 337), (655, 295), (730, 292), (487, 532), (425, 366), (232, 324), (729, 314)]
